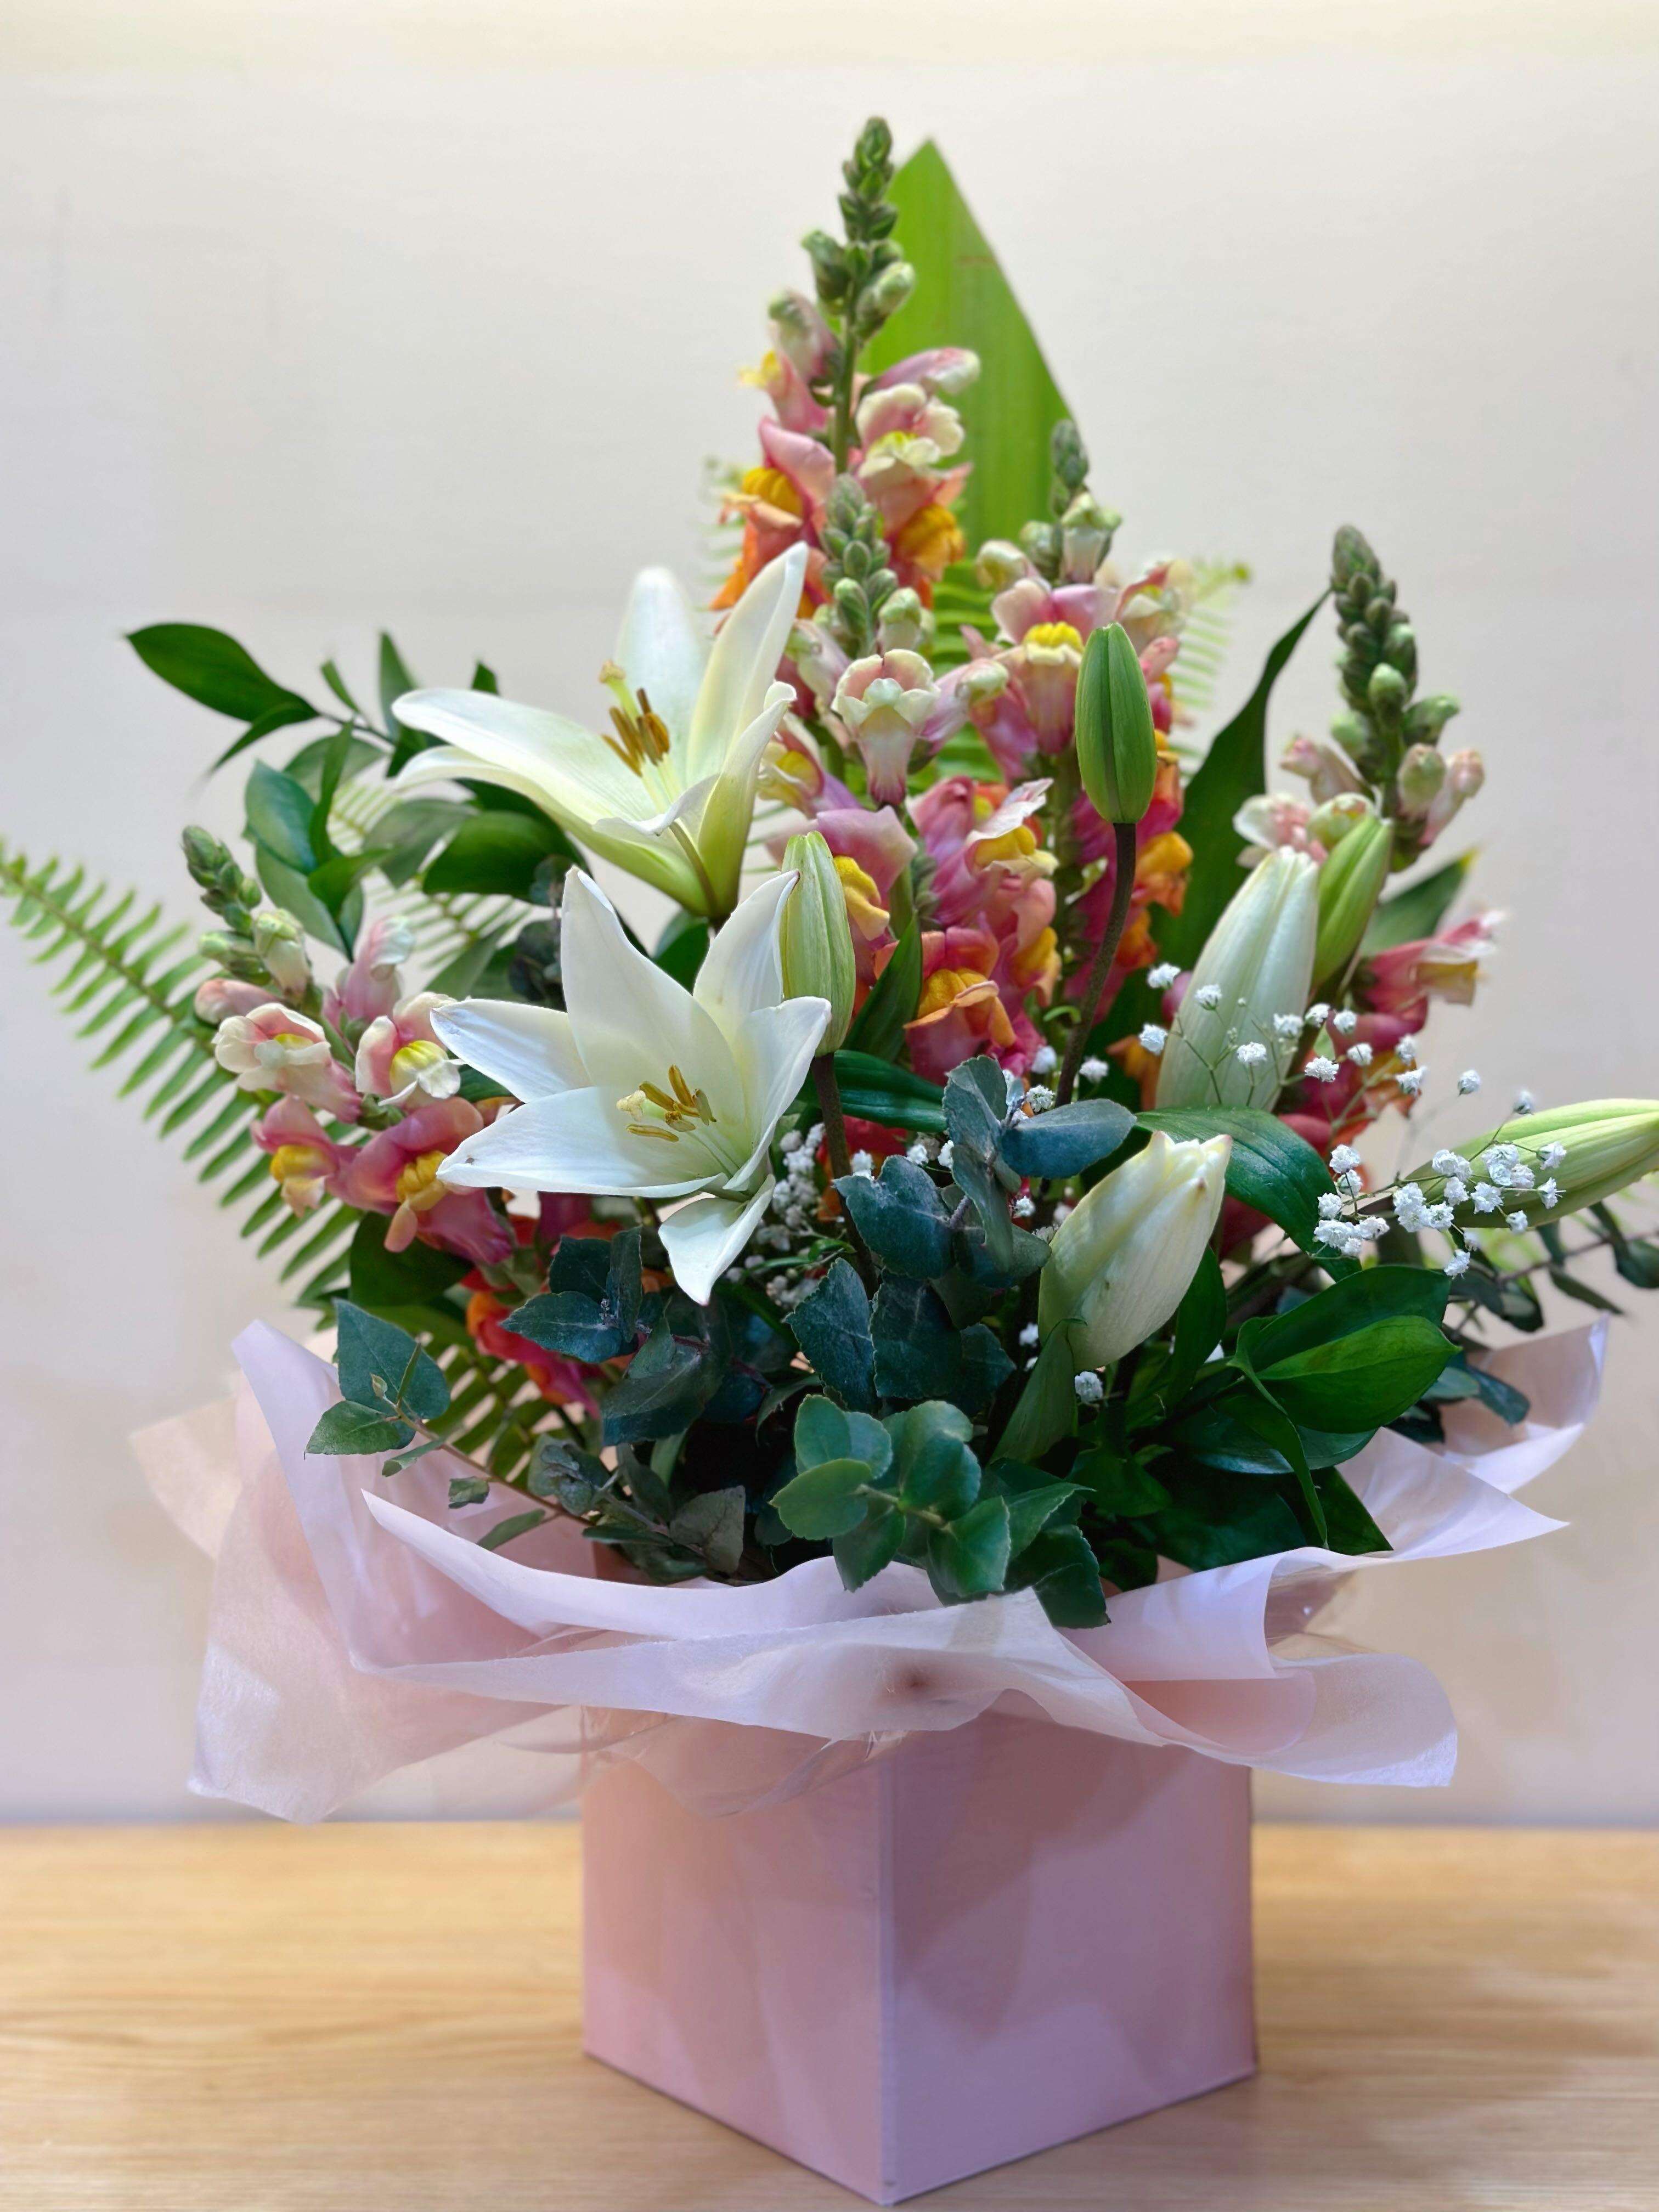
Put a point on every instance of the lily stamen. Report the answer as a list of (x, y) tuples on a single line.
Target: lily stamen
[(642, 738)]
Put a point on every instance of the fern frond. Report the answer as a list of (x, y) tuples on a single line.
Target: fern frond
[(127, 977)]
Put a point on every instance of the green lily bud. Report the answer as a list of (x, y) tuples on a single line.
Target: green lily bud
[(1228, 1046), (1121, 1261), (1116, 742), (1350, 883), (815, 939), (1570, 1156)]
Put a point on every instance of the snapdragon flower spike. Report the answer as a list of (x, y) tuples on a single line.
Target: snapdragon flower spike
[(668, 791), (643, 1089)]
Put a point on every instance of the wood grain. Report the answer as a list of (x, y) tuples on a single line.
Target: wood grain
[(384, 2019)]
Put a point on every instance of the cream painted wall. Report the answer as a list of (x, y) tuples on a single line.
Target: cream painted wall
[(318, 319)]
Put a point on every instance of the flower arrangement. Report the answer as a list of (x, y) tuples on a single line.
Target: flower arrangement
[(968, 1173)]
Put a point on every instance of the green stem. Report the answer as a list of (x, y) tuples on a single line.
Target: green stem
[(840, 1158), (1123, 884)]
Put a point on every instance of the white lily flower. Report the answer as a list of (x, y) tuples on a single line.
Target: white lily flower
[(668, 792), (643, 1089)]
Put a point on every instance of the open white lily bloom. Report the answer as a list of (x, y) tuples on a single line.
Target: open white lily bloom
[(643, 1089), (668, 792)]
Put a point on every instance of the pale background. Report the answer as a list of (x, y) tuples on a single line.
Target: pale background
[(329, 317)]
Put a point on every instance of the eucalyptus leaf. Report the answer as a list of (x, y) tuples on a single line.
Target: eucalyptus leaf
[(832, 1327), (370, 1348), (901, 1217), (969, 1559), (346, 1430), (1065, 1140), (713, 1523), (516, 1525)]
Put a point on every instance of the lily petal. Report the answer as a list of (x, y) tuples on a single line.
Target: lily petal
[(774, 1048), (742, 969), (575, 1141), (572, 772), (632, 1021), (744, 662), (530, 1050), (706, 1235), (662, 649)]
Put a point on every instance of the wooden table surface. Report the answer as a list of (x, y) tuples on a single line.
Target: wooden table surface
[(384, 2019)]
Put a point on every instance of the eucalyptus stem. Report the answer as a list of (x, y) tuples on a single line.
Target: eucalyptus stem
[(1123, 884)]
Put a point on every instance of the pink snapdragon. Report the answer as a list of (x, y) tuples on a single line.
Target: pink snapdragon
[(274, 1049), (399, 1058), (221, 996), (884, 702), (1402, 980), (371, 985), (400, 1171), (304, 1157)]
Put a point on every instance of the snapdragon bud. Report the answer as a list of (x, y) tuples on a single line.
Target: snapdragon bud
[(891, 290), (1576, 1155), (998, 564), (1116, 741), (1422, 772), (233, 954), (1350, 883), (1427, 718), (814, 937), (1087, 530), (280, 942), (1256, 965), (904, 622), (1119, 1262), (1327, 825)]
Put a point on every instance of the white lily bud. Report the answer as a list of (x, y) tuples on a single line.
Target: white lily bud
[(1257, 963), (1121, 1261)]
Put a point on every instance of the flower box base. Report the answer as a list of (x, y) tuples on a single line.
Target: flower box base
[(1004, 1936)]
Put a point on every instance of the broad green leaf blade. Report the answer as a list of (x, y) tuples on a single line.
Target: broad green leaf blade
[(210, 667), (962, 298), (875, 1090), (1419, 909), (1233, 770), (1271, 1168), (879, 1027)]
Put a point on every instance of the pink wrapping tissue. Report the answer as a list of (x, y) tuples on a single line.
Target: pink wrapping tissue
[(350, 1636)]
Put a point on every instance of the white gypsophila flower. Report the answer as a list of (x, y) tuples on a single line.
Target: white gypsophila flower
[(1405, 1051), (1487, 1197), (1456, 1265), (1409, 1082), (1287, 1027), (1089, 1387), (1094, 1070), (1343, 1159), (1409, 1207), (1029, 1334), (1322, 1068), (1552, 1155), (863, 1164), (1346, 1023), (1153, 1038), (1023, 1208), (1360, 1054), (1514, 1221), (1349, 1184), (789, 1142), (1456, 1190), (1525, 1103), (1439, 1216), (1062, 1212), (1163, 975), (1500, 1170), (641, 1088), (1550, 1191), (1251, 1055), (1318, 1014), (1207, 995), (1044, 1060), (1448, 1163), (1330, 1206), (917, 1155), (947, 1152), (1039, 1099), (1468, 1082)]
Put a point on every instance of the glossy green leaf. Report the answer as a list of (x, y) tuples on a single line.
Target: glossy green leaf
[(962, 298), (279, 817), (1419, 910), (879, 1027), (875, 1090), (1271, 1168), (210, 667), (1046, 1409), (516, 1525), (1059, 1566), (1233, 770), (494, 855), (823, 1500)]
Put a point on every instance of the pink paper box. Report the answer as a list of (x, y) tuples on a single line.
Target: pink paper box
[(1004, 1936)]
